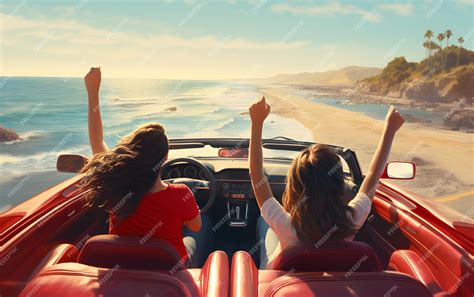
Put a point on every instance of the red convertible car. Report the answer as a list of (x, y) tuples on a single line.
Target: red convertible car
[(52, 245)]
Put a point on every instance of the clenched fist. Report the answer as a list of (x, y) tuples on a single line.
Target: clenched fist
[(92, 80), (394, 120), (259, 111)]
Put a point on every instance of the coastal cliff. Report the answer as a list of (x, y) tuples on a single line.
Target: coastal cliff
[(445, 77)]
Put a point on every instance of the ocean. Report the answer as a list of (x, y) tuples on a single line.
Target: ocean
[(50, 115)]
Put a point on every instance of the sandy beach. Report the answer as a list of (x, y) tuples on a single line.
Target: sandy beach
[(444, 158), (349, 92)]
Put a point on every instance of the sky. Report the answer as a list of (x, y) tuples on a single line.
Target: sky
[(226, 39)]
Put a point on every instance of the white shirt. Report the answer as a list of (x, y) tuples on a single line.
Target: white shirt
[(280, 222)]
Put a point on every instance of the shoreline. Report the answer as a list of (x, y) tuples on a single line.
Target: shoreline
[(438, 173), (350, 94)]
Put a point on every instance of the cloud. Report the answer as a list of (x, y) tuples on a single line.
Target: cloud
[(17, 30), (399, 8), (466, 2), (329, 9)]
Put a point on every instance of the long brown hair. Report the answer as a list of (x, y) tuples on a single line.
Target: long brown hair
[(118, 179), (314, 196)]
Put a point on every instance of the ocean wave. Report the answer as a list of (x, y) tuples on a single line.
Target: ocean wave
[(131, 104), (188, 99), (215, 131), (225, 124), (25, 136), (209, 91), (37, 160)]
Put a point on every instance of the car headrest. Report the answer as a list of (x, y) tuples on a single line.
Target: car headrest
[(107, 251), (73, 279), (338, 284), (330, 256)]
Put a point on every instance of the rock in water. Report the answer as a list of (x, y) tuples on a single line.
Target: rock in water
[(174, 108), (460, 119), (8, 135)]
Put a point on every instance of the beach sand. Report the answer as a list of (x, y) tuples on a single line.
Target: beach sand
[(445, 159)]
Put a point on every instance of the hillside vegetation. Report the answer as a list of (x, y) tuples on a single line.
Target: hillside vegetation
[(444, 77)]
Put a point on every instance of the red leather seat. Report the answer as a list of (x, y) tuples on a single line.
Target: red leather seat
[(248, 281), (59, 254), (74, 279), (107, 251), (342, 256), (409, 262)]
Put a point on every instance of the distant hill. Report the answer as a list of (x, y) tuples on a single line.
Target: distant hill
[(347, 76), (445, 77)]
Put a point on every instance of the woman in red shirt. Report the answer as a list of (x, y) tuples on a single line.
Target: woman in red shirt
[(126, 181)]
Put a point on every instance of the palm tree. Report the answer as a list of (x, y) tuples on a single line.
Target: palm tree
[(426, 46), (428, 35), (434, 46), (460, 41), (440, 39), (448, 34)]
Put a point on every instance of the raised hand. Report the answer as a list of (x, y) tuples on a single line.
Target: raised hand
[(96, 133), (394, 120), (92, 80), (259, 111)]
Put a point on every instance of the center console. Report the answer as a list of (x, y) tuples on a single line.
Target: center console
[(237, 196)]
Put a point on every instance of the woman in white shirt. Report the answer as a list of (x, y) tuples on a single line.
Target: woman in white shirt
[(314, 209)]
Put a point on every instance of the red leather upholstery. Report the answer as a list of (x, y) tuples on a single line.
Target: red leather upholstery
[(211, 280), (61, 253), (451, 265), (409, 262), (359, 284), (107, 251), (244, 275), (73, 279), (248, 281), (343, 256)]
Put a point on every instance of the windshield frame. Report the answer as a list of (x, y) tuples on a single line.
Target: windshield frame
[(276, 143)]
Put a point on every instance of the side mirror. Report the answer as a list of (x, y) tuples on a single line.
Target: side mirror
[(399, 170), (71, 163)]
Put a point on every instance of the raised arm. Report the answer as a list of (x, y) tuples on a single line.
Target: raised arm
[(258, 113), (96, 135), (393, 122)]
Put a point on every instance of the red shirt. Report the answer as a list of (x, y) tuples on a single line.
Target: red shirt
[(160, 215)]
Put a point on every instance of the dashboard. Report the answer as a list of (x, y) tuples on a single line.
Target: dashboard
[(234, 192), (182, 170), (232, 180)]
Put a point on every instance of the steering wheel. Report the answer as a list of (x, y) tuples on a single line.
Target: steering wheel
[(195, 184)]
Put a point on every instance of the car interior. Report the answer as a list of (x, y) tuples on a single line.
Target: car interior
[(56, 246)]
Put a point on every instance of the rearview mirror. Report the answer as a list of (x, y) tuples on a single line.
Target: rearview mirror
[(71, 163), (234, 153), (399, 170)]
